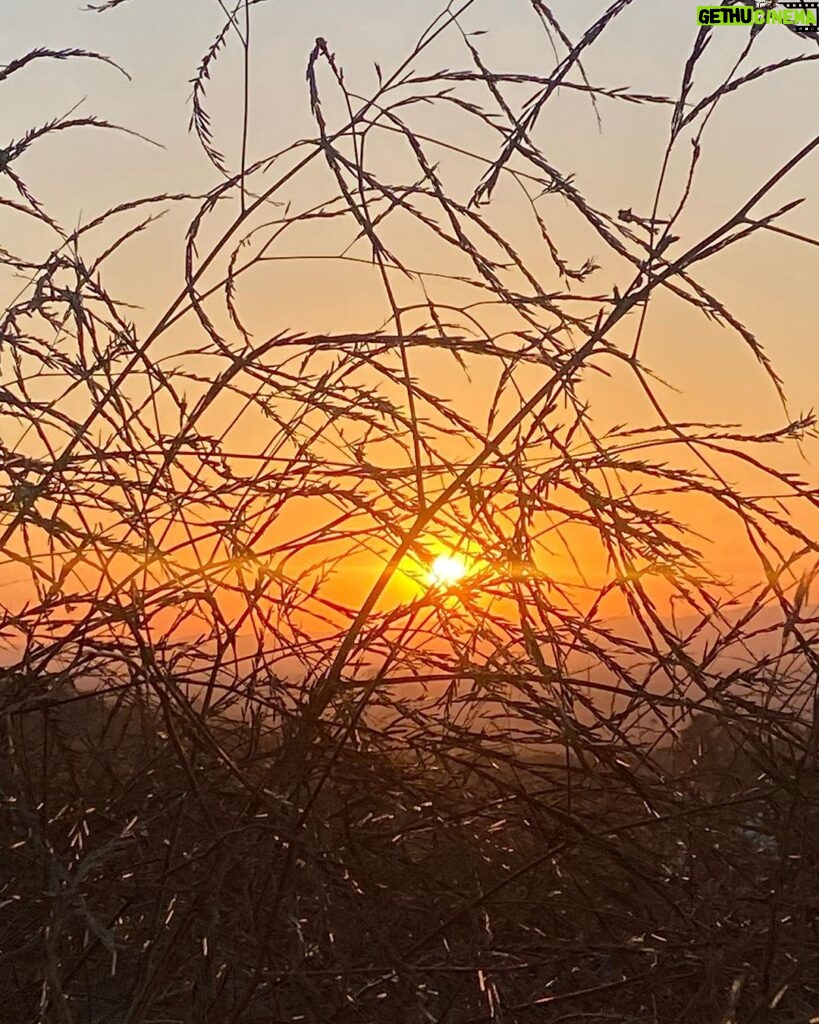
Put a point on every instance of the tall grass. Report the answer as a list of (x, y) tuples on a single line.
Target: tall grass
[(239, 783)]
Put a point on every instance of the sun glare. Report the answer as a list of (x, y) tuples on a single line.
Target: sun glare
[(446, 571)]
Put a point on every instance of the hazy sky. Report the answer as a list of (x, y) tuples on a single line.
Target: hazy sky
[(160, 43), (768, 282)]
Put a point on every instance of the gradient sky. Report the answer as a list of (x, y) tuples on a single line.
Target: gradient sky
[(768, 282), (160, 43)]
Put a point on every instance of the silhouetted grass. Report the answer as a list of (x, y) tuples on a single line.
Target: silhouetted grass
[(231, 794)]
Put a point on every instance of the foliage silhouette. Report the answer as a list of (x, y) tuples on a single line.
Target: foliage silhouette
[(236, 791)]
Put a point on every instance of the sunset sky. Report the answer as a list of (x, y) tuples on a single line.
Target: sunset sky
[(767, 281)]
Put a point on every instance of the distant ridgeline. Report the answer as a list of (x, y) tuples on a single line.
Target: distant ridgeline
[(799, 16)]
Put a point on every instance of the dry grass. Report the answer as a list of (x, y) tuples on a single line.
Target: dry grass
[(231, 794)]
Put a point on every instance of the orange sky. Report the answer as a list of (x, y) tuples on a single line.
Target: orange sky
[(768, 281)]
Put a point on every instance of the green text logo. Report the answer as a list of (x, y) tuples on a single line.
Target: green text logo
[(802, 17)]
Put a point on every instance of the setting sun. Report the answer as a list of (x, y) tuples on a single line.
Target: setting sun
[(447, 570), (404, 499)]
